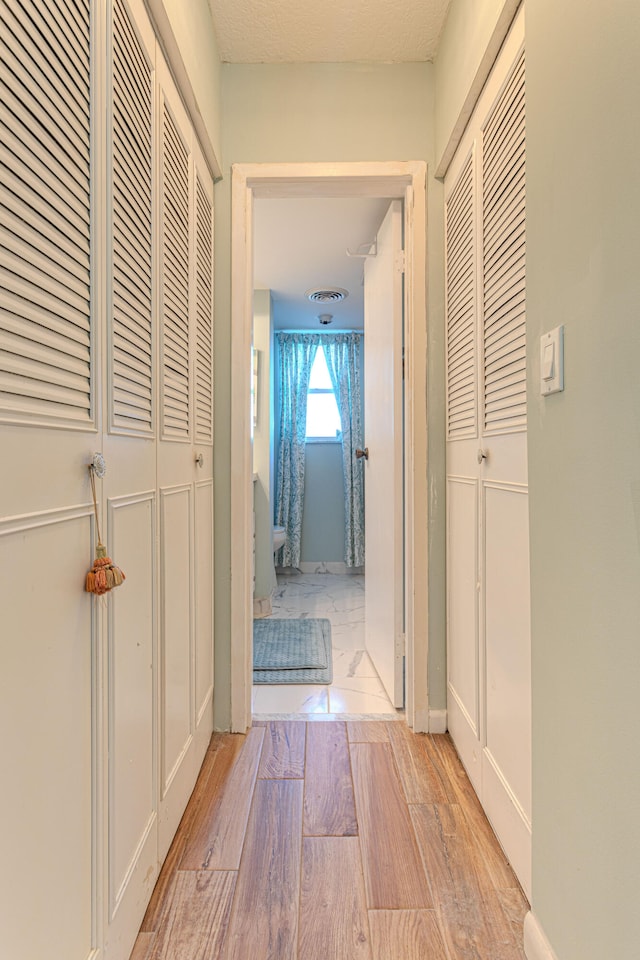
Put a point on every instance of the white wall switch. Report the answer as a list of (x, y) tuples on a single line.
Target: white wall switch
[(552, 361)]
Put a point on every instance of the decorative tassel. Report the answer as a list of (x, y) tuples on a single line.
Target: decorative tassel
[(104, 575)]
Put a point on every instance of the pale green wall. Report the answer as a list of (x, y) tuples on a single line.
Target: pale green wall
[(324, 112), (263, 488), (583, 245), (468, 28), (192, 27), (323, 514), (583, 242)]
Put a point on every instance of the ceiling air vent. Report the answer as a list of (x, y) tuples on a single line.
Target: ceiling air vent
[(327, 294)]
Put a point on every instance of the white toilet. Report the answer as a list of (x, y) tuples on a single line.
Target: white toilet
[(279, 537)]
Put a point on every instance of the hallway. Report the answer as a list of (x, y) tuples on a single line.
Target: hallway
[(333, 840)]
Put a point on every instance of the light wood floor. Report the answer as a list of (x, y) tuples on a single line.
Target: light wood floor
[(333, 841)]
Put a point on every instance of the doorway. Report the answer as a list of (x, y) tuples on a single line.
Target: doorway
[(401, 181)]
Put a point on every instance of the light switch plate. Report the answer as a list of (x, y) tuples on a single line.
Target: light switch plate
[(552, 361)]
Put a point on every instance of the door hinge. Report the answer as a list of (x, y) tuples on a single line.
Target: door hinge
[(401, 261)]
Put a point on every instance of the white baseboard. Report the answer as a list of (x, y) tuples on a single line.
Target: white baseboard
[(536, 945), (437, 721), (322, 566), (261, 607)]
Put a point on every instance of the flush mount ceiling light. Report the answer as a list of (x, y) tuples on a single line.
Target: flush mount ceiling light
[(326, 294), (325, 318)]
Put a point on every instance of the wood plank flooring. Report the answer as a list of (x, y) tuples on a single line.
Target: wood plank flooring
[(333, 841)]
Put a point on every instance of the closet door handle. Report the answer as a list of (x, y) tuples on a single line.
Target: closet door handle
[(362, 453)]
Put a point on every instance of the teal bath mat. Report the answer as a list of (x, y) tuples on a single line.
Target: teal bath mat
[(292, 651)]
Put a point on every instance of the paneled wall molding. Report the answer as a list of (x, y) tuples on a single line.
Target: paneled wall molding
[(44, 518), (171, 774), (515, 803), (511, 487), (203, 578), (129, 499), (132, 671), (536, 945), (116, 895), (472, 722), (176, 583)]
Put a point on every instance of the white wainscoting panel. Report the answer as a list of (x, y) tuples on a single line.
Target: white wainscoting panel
[(507, 636), (462, 584), (506, 763), (48, 715), (175, 627), (204, 602), (132, 709)]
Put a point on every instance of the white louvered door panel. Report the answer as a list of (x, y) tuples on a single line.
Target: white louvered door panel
[(175, 277), (45, 229), (204, 308), (131, 859), (132, 239), (461, 300), (488, 633), (503, 259), (49, 321)]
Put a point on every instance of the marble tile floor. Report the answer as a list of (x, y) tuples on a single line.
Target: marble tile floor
[(356, 692)]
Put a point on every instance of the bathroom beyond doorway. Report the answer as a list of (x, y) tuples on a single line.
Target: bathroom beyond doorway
[(356, 689), (405, 181)]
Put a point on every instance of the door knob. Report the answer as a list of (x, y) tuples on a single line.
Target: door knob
[(200, 460), (482, 455), (362, 453)]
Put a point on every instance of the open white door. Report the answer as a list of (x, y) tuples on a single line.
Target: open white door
[(384, 634)]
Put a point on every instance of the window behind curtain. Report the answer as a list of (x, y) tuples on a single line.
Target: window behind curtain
[(323, 418)]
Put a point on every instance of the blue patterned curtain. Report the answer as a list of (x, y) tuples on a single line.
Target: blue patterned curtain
[(342, 352), (297, 353)]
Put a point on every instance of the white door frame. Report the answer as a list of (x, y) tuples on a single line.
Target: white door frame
[(389, 179)]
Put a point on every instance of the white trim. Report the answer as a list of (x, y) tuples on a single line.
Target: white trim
[(536, 945), (404, 180), (437, 721), (166, 37), (338, 567), (500, 32), (262, 607), (44, 518)]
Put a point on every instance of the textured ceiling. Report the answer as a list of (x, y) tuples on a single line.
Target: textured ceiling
[(300, 244), (327, 31)]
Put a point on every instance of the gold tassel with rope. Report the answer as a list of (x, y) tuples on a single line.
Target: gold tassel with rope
[(104, 575)]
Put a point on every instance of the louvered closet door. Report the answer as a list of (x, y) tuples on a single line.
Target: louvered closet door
[(182, 417), (489, 678), (202, 340), (130, 483), (48, 903)]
